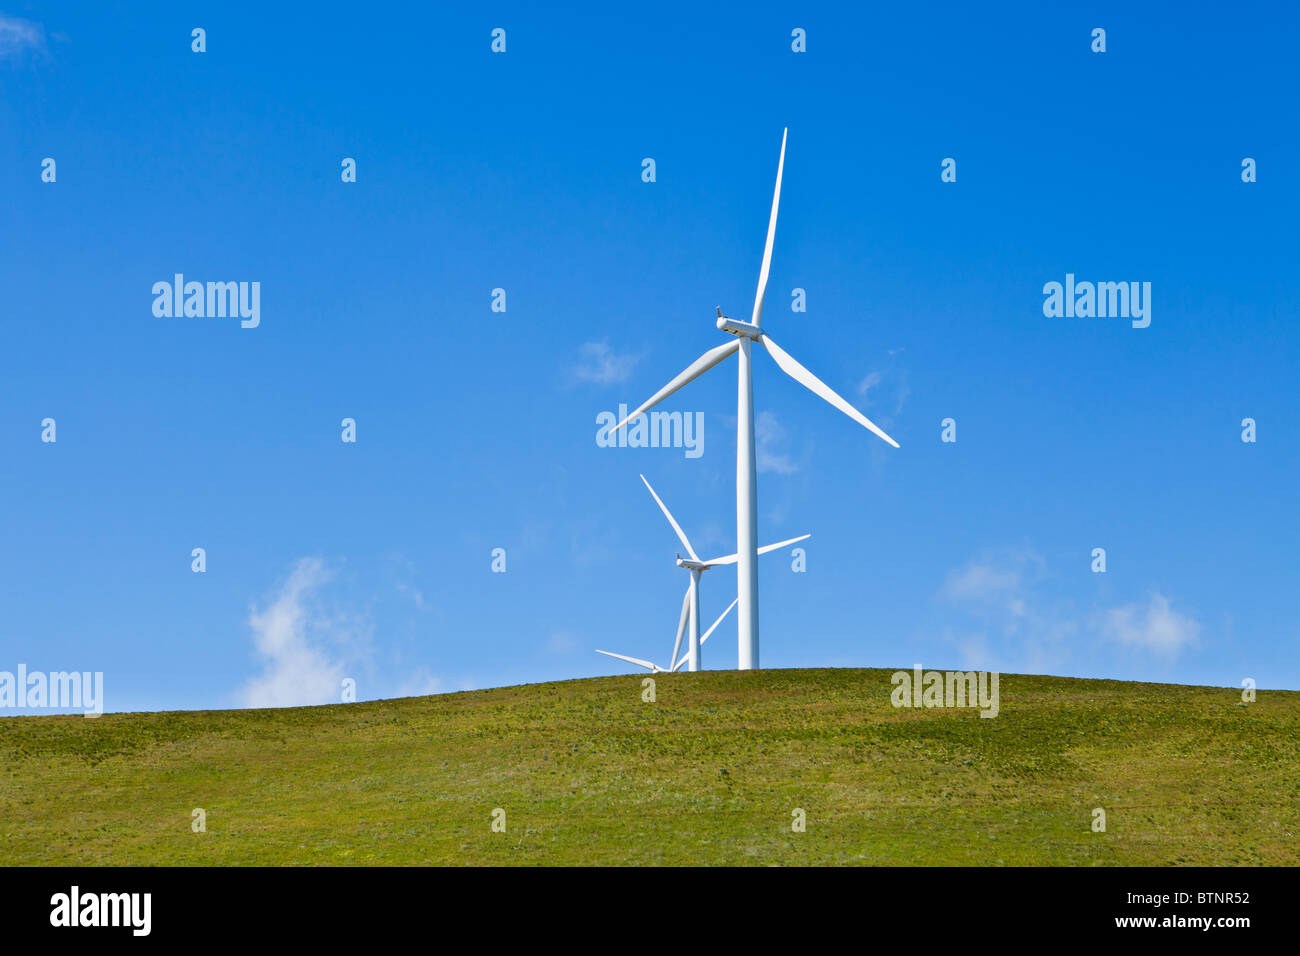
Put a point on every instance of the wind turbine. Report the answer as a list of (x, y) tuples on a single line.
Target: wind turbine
[(691, 603), (746, 335), (691, 600)]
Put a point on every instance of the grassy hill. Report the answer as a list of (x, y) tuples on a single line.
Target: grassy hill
[(708, 774)]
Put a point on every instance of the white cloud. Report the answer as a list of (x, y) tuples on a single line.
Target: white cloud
[(903, 391), (768, 436), (877, 387), (414, 593), (420, 683), (286, 634), (602, 365), (18, 35), (1016, 624), (868, 383), (562, 642), (1155, 628), (980, 581), (997, 579), (1018, 621)]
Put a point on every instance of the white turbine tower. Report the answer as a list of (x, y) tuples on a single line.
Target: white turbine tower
[(746, 334), (691, 601)]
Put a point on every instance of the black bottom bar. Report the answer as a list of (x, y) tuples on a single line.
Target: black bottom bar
[(942, 906)]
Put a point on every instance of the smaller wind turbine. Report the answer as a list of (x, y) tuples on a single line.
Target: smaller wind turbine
[(691, 601)]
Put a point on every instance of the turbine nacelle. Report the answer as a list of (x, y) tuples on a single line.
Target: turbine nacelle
[(737, 328)]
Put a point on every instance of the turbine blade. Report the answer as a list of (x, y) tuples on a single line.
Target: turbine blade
[(693, 371), (705, 636), (672, 521), (631, 660), (731, 558), (681, 623), (781, 544), (815, 385), (757, 318)]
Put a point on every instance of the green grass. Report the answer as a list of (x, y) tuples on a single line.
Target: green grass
[(709, 774)]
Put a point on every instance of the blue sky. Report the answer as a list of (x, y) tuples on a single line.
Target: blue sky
[(477, 430)]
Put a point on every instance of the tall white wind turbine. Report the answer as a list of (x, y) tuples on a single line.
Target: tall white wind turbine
[(746, 334)]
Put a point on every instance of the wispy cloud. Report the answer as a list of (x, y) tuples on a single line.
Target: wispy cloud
[(288, 635), (420, 683), (885, 390), (997, 579), (998, 589), (18, 36), (867, 384), (1020, 622), (600, 364), (1155, 627), (414, 593), (769, 437), (562, 642)]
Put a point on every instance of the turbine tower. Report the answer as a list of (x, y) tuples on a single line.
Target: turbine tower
[(746, 334)]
